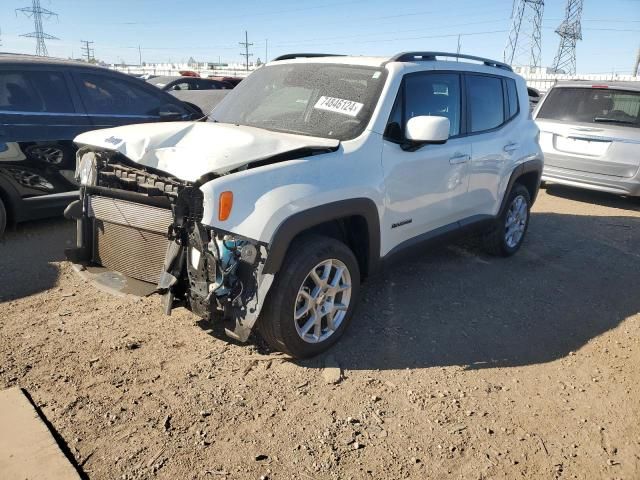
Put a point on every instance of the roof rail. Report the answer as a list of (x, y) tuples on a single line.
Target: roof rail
[(291, 56), (431, 56)]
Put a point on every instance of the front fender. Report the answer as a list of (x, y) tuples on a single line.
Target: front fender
[(265, 197), (304, 220)]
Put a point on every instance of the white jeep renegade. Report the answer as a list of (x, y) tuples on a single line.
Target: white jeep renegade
[(304, 179)]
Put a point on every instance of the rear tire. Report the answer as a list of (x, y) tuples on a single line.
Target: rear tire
[(506, 236), (319, 278)]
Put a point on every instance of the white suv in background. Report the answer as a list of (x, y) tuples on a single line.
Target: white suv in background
[(307, 177)]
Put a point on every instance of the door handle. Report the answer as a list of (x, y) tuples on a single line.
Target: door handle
[(510, 147), (459, 158)]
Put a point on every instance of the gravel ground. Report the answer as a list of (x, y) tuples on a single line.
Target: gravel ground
[(456, 365)]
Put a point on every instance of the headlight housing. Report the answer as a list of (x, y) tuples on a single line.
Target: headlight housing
[(87, 171)]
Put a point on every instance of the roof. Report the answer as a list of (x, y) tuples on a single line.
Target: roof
[(37, 60), (338, 59), (590, 83), (403, 57)]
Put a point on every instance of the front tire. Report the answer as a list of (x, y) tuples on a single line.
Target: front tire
[(312, 300), (3, 218), (506, 236)]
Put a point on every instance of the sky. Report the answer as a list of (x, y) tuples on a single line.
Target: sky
[(173, 31)]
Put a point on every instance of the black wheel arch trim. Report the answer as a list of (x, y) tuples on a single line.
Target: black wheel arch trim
[(534, 165), (306, 219), (11, 199)]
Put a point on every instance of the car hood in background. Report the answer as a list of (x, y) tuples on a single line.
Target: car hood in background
[(205, 100), (191, 150)]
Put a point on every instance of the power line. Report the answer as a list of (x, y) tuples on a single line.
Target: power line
[(570, 32), (378, 33), (37, 12), (246, 46), (525, 37), (87, 50)]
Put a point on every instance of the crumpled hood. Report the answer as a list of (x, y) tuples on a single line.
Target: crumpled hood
[(190, 150)]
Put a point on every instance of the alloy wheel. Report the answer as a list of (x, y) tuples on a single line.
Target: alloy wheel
[(322, 301), (516, 222)]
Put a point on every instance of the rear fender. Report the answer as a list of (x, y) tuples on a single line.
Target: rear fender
[(529, 166)]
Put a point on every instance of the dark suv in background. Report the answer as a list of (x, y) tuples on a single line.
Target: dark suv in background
[(44, 104)]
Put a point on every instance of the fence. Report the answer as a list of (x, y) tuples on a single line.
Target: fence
[(174, 70)]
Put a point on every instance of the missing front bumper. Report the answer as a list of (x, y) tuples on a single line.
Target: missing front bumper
[(128, 248)]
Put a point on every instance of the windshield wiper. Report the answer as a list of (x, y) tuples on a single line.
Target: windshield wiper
[(613, 120)]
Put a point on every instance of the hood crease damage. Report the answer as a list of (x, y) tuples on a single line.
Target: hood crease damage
[(199, 149)]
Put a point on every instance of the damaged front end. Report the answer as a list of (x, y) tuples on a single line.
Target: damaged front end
[(140, 231)]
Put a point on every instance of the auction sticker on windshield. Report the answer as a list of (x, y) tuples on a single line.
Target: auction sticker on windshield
[(339, 105)]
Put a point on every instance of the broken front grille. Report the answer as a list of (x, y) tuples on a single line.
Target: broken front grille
[(128, 237), (121, 177)]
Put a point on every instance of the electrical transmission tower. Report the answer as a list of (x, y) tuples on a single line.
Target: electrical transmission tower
[(246, 46), (87, 50), (36, 12), (525, 37), (570, 32)]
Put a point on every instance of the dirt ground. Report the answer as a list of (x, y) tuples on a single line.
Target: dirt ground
[(456, 365)]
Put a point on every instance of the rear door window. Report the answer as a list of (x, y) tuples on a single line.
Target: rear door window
[(485, 102), (592, 105), (34, 92), (102, 94)]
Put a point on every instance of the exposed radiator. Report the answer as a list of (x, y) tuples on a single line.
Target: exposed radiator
[(130, 238)]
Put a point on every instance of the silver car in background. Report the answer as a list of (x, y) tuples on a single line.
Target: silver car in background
[(590, 135)]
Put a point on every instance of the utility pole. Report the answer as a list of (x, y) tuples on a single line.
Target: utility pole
[(266, 50), (525, 36), (570, 32), (139, 56), (459, 46), (87, 50), (246, 46), (36, 12), (637, 64)]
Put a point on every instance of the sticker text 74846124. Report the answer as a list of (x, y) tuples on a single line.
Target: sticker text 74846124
[(339, 105)]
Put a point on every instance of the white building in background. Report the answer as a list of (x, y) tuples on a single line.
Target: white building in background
[(543, 78), (205, 69)]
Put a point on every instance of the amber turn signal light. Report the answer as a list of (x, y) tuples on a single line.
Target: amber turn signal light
[(225, 205)]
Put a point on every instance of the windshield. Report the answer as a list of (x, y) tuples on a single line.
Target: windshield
[(317, 99), (592, 105)]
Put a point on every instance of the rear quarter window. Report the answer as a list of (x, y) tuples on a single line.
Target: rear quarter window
[(512, 96)]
